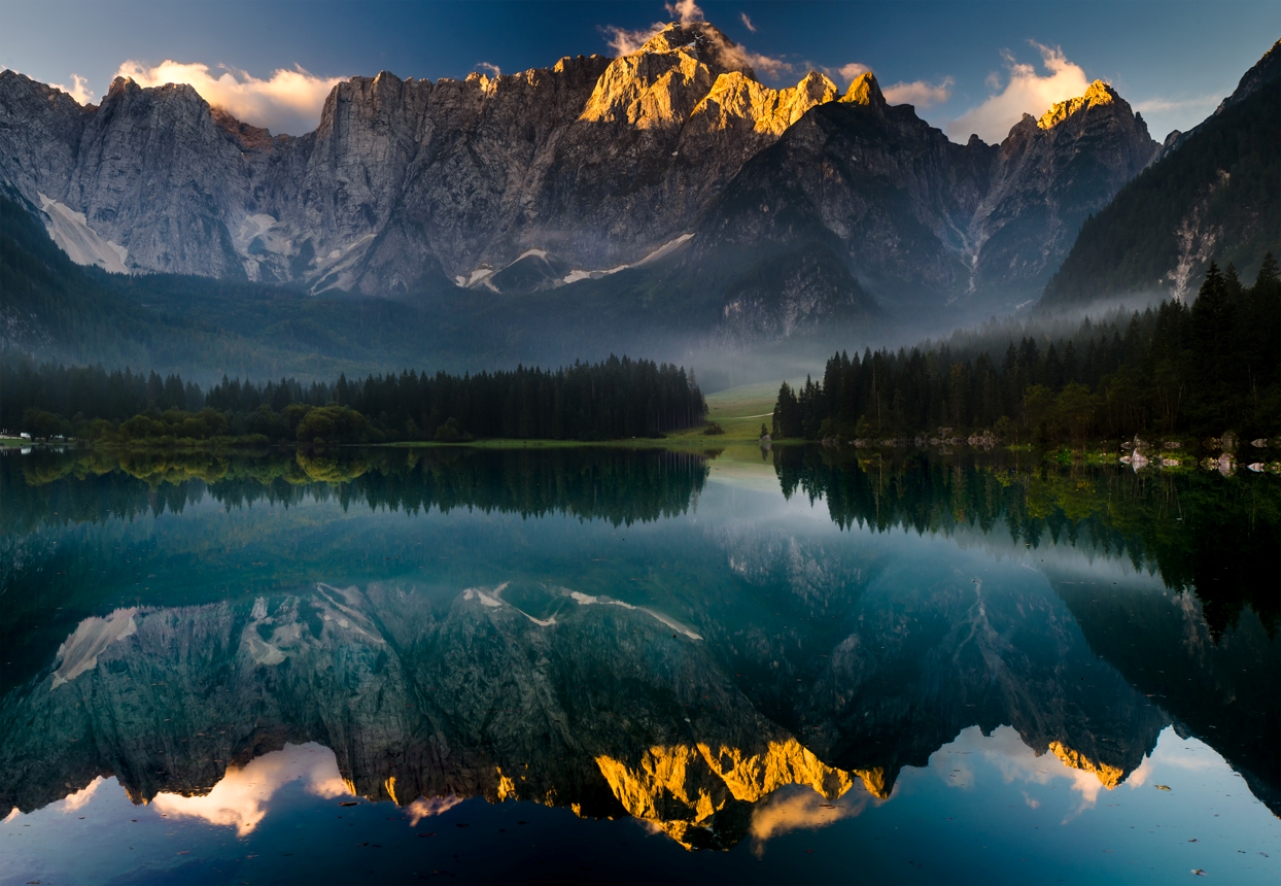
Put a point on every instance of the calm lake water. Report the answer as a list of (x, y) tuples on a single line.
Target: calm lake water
[(583, 666)]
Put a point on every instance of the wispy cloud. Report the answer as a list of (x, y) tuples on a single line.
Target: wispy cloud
[(1026, 92), (919, 93), (625, 42), (80, 91), (684, 11), (491, 68), (747, 22), (1201, 104), (288, 101), (763, 64), (849, 73)]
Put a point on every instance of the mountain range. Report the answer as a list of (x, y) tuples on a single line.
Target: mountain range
[(669, 181)]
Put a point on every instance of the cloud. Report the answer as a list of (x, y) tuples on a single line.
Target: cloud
[(241, 800), (1026, 92), (849, 73), (919, 93), (685, 11), (80, 91), (801, 810), (1163, 114), (761, 64), (76, 801), (425, 808), (625, 42), (492, 69), (289, 101), (747, 22)]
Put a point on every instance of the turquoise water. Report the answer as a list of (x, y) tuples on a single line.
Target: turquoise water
[(581, 666)]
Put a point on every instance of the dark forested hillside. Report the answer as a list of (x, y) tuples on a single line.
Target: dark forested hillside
[(1198, 370), (1226, 539), (615, 399), (1217, 194)]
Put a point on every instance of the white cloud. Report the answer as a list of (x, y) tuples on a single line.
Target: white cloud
[(747, 22), (425, 808), (1164, 115), (1201, 104), (625, 42), (78, 800), (80, 91), (919, 93), (243, 797), (685, 11), (1026, 92), (802, 810), (290, 101), (493, 70), (849, 73), (762, 64)]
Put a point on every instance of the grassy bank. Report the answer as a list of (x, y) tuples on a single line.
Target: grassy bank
[(739, 412)]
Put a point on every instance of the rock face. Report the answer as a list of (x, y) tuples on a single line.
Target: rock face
[(1051, 174), (1210, 193), (568, 173), (919, 219), (684, 718)]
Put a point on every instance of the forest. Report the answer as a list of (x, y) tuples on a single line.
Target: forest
[(618, 398), (1173, 370), (1225, 537)]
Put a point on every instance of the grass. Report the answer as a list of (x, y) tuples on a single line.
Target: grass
[(739, 411)]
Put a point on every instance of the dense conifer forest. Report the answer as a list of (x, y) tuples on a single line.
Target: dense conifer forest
[(1224, 540), (616, 399), (1196, 370)]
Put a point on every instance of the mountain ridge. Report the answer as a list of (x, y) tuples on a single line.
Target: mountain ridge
[(535, 181)]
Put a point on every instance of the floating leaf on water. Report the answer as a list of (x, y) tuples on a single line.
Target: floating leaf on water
[(1162, 787)]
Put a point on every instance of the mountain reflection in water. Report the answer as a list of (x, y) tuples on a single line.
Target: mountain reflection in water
[(622, 635)]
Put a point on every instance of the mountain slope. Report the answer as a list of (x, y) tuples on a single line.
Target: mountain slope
[(1216, 195), (924, 221), (544, 180)]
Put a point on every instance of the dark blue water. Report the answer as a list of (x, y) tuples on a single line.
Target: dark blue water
[(586, 666)]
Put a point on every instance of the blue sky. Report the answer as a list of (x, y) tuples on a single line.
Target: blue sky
[(968, 66)]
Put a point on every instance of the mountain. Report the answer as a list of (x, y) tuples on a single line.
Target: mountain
[(534, 692), (667, 176), (1213, 193), (921, 220)]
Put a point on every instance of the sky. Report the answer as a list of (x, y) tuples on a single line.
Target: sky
[(966, 66)]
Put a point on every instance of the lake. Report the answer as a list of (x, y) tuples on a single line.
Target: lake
[(580, 665)]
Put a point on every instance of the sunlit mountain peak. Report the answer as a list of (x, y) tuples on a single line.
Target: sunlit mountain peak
[(1098, 93)]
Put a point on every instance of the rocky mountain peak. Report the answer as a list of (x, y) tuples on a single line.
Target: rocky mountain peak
[(703, 41), (1098, 93), (1266, 70), (660, 84), (864, 91), (248, 136)]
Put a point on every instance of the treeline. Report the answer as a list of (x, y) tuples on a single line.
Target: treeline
[(1173, 370), (621, 486), (616, 399), (1200, 531)]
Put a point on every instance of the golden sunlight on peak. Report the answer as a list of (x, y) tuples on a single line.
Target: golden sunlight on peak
[(1098, 93), (1109, 776), (680, 787), (864, 90)]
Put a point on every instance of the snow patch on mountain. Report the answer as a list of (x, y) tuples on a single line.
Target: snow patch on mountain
[(82, 244)]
